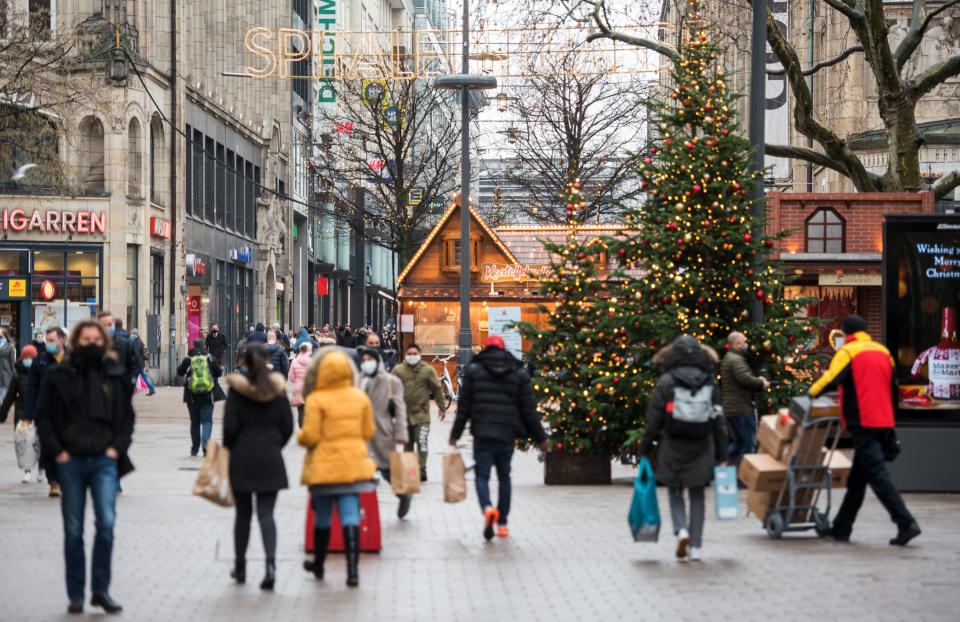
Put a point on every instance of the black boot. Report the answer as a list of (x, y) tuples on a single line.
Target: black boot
[(270, 577), (321, 540), (239, 572), (351, 545)]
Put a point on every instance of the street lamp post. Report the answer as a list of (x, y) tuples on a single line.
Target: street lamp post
[(465, 82), (758, 96)]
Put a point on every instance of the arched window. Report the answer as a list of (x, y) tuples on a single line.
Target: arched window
[(156, 158), (134, 159), (91, 172), (826, 232)]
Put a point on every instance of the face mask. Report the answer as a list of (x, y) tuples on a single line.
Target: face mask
[(215, 333), (111, 331), (88, 356), (51, 348), (369, 367), (3, 341), (412, 359), (27, 363)]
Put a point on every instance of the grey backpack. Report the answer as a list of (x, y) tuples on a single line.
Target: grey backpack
[(690, 412)]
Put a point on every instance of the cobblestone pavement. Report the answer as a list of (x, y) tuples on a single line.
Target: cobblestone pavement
[(569, 556)]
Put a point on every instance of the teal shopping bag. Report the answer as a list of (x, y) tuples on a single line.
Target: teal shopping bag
[(725, 492), (644, 516)]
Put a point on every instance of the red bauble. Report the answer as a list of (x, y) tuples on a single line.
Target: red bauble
[(735, 186), (679, 241), (616, 380), (644, 183), (791, 338), (700, 300), (576, 185), (726, 132), (648, 160), (696, 187), (665, 300), (760, 294), (559, 445), (668, 141), (653, 150), (580, 255), (569, 207), (726, 346), (689, 145), (747, 237), (768, 243), (621, 252)]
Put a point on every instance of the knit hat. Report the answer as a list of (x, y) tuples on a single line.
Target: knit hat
[(28, 352), (494, 341), (853, 324)]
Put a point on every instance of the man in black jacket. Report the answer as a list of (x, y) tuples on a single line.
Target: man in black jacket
[(199, 403), (85, 418), (126, 356), (216, 343), (54, 349), (497, 399)]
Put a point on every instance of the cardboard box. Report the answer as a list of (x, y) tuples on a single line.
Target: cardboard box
[(759, 502), (762, 472), (786, 424), (821, 406), (806, 444), (771, 437)]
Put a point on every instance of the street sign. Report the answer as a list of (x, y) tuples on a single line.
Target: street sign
[(415, 196)]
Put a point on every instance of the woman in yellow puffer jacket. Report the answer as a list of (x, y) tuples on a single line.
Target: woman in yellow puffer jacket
[(337, 423)]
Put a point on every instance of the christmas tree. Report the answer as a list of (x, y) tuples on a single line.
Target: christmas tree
[(704, 265), (583, 377)]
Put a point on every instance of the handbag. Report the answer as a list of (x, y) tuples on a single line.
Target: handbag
[(213, 479), (454, 478), (725, 492), (140, 385), (404, 473), (644, 515)]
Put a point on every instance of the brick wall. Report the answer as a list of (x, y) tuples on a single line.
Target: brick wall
[(870, 306), (863, 214)]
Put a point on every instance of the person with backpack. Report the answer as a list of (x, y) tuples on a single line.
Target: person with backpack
[(201, 372), (685, 417), (276, 355)]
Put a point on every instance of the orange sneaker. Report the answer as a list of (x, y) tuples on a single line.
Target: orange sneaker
[(490, 517), (503, 531)]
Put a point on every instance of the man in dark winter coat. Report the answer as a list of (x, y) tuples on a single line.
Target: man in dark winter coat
[(863, 372), (277, 356), (684, 415), (199, 398), (85, 418), (497, 399), (126, 356), (54, 349), (739, 387), (259, 334), (216, 343)]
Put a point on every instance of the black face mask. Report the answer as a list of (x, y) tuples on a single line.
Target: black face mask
[(215, 333), (89, 356)]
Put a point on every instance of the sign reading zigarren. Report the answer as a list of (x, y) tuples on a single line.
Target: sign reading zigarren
[(53, 220)]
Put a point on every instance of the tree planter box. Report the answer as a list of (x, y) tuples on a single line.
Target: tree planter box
[(569, 469)]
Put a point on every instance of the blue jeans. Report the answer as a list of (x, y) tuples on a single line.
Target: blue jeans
[(201, 419), (487, 456), (347, 505), (148, 381), (99, 474), (743, 434)]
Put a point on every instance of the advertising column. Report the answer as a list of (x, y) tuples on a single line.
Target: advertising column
[(922, 295)]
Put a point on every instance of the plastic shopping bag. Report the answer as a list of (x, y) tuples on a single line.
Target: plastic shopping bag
[(454, 478), (404, 473), (644, 516), (725, 492), (26, 442), (140, 385), (213, 480)]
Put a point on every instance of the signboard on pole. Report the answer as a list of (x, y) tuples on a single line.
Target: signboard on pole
[(501, 321)]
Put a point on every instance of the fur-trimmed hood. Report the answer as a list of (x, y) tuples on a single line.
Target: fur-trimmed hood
[(314, 371), (240, 384), (686, 351)]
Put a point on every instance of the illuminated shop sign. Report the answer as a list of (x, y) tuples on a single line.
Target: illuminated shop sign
[(57, 221)]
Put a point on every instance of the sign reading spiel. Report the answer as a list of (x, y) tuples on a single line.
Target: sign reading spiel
[(53, 220)]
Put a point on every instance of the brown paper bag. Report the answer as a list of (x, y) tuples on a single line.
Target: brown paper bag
[(404, 473), (213, 480), (454, 478)]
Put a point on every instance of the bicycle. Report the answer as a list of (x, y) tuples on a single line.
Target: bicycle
[(447, 382)]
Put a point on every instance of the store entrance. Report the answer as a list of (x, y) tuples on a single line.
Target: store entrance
[(10, 321)]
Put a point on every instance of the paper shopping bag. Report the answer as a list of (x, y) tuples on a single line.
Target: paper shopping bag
[(213, 480), (404, 473), (454, 478), (644, 516), (725, 492)]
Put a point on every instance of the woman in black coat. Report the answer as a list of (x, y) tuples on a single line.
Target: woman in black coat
[(257, 424), (684, 414)]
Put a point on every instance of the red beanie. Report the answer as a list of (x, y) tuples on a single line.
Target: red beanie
[(28, 352), (495, 341)]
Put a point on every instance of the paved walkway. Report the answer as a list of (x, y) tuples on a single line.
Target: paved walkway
[(570, 556)]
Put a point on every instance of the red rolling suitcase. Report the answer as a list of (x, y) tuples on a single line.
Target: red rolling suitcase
[(369, 526)]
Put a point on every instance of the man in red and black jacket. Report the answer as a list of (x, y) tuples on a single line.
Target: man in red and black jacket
[(863, 372)]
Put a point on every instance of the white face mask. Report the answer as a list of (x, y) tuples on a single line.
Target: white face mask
[(368, 367), (412, 359)]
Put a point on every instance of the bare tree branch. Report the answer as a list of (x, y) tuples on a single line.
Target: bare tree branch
[(805, 154), (848, 8), (946, 184), (928, 79), (918, 28), (823, 64)]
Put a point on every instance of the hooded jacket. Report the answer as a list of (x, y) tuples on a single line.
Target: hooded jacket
[(16, 394), (303, 337), (684, 461), (739, 384), (184, 370), (497, 399), (337, 423), (384, 389), (278, 358), (256, 426), (298, 374), (8, 358), (420, 383)]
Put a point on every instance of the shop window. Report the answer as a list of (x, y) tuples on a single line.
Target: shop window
[(156, 283), (249, 202), (197, 165), (209, 182), (825, 232), (92, 178), (188, 186), (133, 270), (156, 157), (451, 255), (221, 185), (134, 159), (230, 191), (73, 291)]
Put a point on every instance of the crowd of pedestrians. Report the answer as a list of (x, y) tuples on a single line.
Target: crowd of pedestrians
[(356, 406)]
